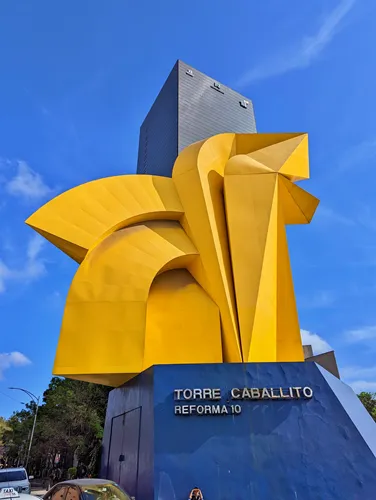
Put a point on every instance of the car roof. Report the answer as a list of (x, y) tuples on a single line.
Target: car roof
[(21, 496), (85, 482)]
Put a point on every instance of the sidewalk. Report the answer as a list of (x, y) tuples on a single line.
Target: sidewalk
[(38, 492), (38, 487)]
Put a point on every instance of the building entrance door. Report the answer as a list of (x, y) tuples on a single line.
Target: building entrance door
[(124, 450)]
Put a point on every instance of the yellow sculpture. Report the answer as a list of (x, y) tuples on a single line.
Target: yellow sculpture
[(188, 269)]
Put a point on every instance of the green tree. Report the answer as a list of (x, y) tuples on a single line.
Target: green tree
[(3, 428), (70, 424), (369, 401), (15, 438), (73, 414)]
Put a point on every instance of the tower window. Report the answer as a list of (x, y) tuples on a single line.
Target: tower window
[(216, 86)]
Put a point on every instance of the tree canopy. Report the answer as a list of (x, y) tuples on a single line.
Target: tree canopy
[(369, 401), (3, 428), (69, 426)]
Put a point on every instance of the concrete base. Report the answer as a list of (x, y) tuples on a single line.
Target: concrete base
[(309, 448)]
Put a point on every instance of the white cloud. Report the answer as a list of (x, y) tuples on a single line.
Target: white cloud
[(4, 275), (12, 359), (360, 378), (358, 372), (33, 268), (364, 218), (320, 300), (363, 334), (359, 386), (55, 300), (319, 345), (27, 183), (307, 51), (358, 155), (328, 215)]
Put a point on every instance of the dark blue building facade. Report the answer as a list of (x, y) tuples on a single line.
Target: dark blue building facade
[(309, 448), (190, 107)]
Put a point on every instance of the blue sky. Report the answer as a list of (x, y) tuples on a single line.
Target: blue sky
[(77, 81)]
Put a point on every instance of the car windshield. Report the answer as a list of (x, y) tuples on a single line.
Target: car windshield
[(7, 476), (103, 492)]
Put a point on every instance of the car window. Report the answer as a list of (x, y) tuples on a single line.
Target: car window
[(72, 494), (7, 476), (103, 492), (58, 493)]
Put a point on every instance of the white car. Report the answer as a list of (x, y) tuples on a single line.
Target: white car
[(12, 494), (16, 478)]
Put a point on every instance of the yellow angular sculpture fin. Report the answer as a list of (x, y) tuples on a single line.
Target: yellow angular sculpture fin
[(289, 157), (198, 177), (248, 201), (245, 164), (263, 346), (289, 342), (248, 143), (259, 202), (298, 205)]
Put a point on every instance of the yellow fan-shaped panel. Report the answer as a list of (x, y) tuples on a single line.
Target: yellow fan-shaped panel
[(103, 330), (77, 219)]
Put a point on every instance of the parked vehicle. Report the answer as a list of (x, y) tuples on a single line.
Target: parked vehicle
[(87, 489), (16, 478), (12, 494)]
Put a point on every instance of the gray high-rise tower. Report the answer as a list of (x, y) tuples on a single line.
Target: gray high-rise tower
[(190, 107)]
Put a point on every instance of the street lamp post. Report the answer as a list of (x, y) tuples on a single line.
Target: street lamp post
[(36, 401)]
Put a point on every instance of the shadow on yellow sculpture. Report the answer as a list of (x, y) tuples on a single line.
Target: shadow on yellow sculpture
[(188, 269)]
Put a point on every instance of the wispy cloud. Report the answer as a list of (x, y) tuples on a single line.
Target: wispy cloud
[(364, 334), (319, 345), (358, 372), (305, 53), (12, 359), (359, 386), (360, 378), (320, 300), (356, 156), (4, 275), (362, 218), (34, 265), (366, 217), (34, 248), (327, 215), (26, 183), (55, 300)]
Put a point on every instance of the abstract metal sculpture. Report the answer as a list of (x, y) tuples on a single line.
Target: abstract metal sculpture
[(188, 269)]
